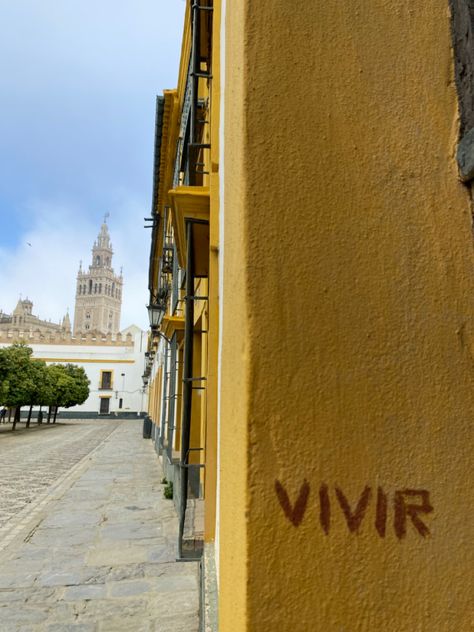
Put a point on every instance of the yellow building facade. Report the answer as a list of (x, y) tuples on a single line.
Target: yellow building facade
[(312, 279)]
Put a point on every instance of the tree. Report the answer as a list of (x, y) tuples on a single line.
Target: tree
[(4, 371), (26, 381), (16, 378), (42, 386), (70, 386), (78, 374)]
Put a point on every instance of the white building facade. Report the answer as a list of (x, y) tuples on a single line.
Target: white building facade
[(114, 366)]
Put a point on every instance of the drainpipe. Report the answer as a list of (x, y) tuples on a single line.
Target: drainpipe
[(187, 385)]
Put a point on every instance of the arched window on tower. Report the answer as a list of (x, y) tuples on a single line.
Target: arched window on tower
[(79, 289), (90, 286), (97, 260), (100, 288), (95, 288)]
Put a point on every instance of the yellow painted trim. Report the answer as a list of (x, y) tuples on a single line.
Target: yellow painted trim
[(212, 319), (76, 360), (169, 134), (185, 55)]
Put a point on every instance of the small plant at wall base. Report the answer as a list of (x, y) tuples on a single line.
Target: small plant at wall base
[(168, 491), (164, 480)]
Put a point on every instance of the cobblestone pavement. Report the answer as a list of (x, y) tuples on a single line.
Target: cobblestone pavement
[(32, 460), (97, 552)]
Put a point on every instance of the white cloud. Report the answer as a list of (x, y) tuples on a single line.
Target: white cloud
[(80, 79), (60, 236)]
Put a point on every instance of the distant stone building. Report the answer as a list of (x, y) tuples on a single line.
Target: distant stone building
[(23, 321), (98, 291), (112, 359)]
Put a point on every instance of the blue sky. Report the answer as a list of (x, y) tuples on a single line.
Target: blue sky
[(78, 83)]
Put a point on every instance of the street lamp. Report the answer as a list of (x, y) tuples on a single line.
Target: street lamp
[(157, 306), (156, 312)]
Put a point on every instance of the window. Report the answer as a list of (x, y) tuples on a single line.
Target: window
[(106, 380), (97, 260), (100, 288), (120, 403), (95, 288), (104, 405), (90, 286), (88, 315)]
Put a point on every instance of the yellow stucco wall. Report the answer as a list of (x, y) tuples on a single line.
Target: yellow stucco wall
[(234, 375), (213, 304), (347, 346)]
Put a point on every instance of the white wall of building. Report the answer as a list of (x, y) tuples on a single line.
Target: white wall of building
[(124, 361)]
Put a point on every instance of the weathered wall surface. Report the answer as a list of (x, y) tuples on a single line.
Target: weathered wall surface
[(348, 268)]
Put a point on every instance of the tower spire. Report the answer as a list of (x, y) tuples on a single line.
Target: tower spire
[(99, 290)]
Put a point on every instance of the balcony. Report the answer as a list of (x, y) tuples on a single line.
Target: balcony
[(191, 203)]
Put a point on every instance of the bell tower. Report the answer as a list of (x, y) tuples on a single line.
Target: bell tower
[(98, 291)]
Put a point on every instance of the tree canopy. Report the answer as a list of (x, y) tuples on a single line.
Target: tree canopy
[(26, 381)]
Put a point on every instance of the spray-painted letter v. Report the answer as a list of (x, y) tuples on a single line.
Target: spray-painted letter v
[(296, 513)]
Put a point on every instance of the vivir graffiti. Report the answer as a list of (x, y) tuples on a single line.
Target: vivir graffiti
[(407, 505)]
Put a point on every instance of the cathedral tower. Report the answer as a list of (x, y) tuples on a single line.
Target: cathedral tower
[(98, 291)]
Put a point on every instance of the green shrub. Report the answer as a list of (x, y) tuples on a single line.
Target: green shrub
[(168, 491)]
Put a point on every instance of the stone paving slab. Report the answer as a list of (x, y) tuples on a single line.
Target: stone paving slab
[(31, 462), (100, 556)]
